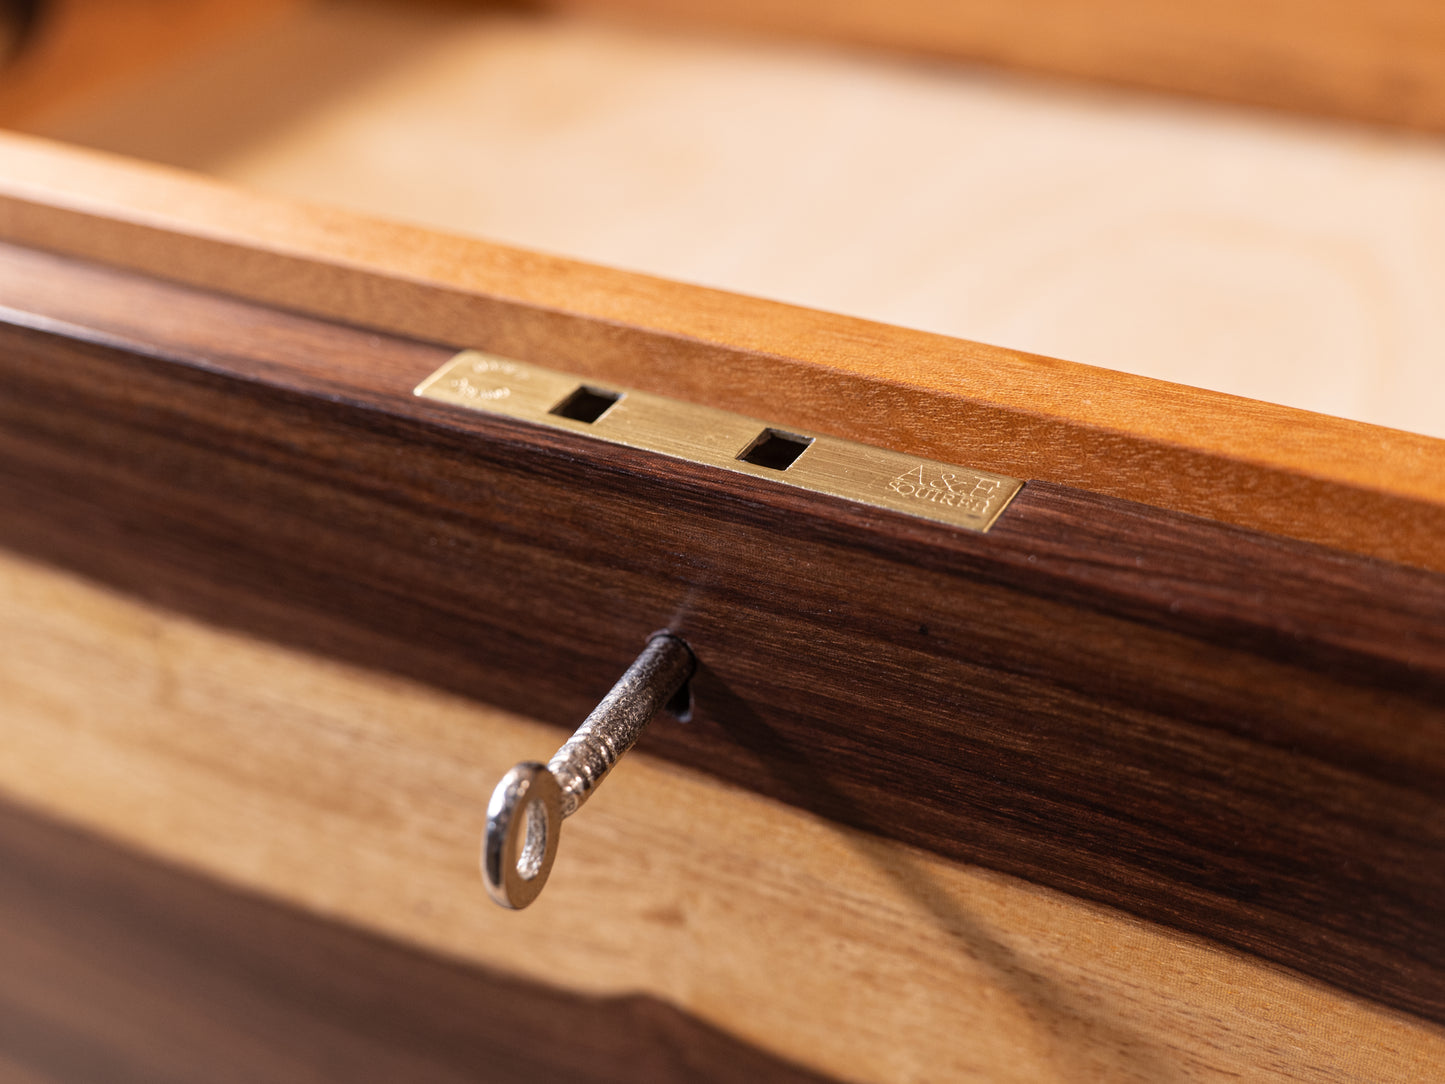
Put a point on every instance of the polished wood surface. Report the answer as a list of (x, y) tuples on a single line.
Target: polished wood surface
[(1234, 734), (359, 797), (1370, 490), (122, 969)]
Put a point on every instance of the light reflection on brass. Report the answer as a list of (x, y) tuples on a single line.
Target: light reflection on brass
[(961, 496)]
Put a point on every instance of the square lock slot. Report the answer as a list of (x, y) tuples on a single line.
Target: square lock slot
[(586, 404), (774, 449)]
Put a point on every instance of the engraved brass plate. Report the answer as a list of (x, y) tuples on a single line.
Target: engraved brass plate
[(960, 496)]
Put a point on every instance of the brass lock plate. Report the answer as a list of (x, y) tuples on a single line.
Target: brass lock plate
[(960, 496)]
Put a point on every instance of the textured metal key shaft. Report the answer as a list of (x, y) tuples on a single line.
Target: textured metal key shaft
[(524, 817)]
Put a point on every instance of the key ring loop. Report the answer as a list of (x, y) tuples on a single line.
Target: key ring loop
[(524, 823)]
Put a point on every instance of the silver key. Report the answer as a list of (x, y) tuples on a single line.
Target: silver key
[(524, 817)]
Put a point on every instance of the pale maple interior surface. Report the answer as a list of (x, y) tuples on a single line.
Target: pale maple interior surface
[(1296, 261)]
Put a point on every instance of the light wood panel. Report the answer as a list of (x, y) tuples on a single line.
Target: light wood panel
[(359, 797), (1370, 490)]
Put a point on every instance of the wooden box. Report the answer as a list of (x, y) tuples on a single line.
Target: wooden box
[(1143, 783)]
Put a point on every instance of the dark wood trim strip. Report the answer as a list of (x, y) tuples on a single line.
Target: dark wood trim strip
[(119, 968), (1237, 735)]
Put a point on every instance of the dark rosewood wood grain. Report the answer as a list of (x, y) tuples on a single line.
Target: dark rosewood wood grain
[(119, 969), (1233, 734)]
